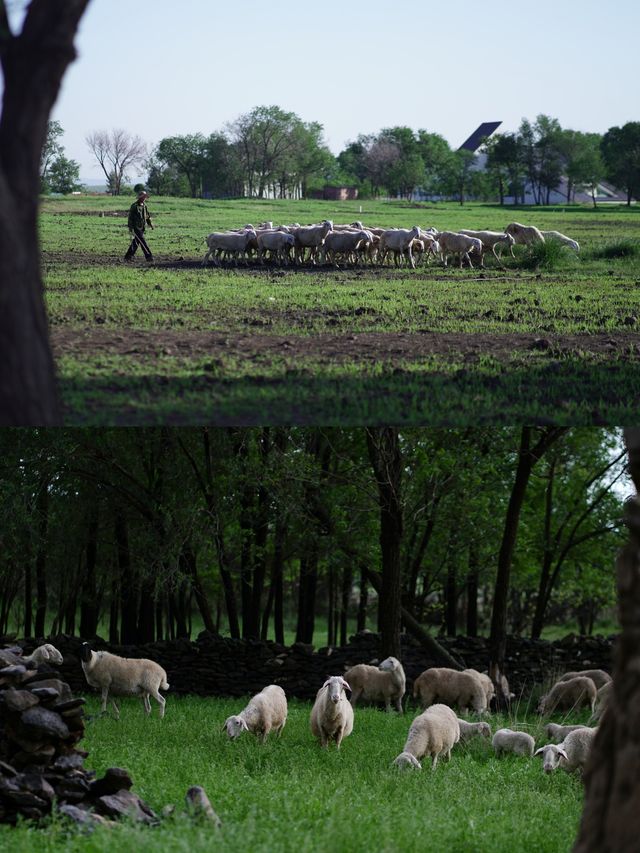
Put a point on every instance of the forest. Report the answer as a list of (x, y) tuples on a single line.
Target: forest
[(145, 534)]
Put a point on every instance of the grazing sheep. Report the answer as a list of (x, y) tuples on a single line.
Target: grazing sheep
[(44, 654), (265, 711), (231, 243), (598, 676), (571, 754), (384, 683), (332, 713), (569, 695), (603, 698), (311, 237), (279, 244), (561, 238), (440, 684), (124, 677), (525, 235), (558, 733), (398, 241), (506, 740), (434, 733), (469, 730), (458, 244), (489, 240), (487, 683), (345, 243)]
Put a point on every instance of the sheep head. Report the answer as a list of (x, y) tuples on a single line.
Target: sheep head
[(85, 653), (336, 684), (389, 664), (234, 726), (406, 761), (551, 755)]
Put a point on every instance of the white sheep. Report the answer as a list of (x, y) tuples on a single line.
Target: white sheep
[(440, 684), (279, 244), (558, 733), (434, 732), (571, 754), (266, 711), (332, 713), (345, 243), (469, 730), (561, 238), (124, 677), (231, 243), (311, 237), (44, 654), (508, 740), (487, 683), (603, 697), (452, 243), (569, 695), (398, 241), (489, 240), (598, 676), (384, 683)]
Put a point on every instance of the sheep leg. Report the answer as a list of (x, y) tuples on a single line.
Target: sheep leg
[(105, 699), (434, 761), (399, 707), (387, 705), (116, 709), (205, 260), (159, 699), (146, 703), (355, 695), (498, 259), (339, 736)]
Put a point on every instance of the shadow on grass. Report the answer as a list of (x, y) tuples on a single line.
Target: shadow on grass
[(570, 392)]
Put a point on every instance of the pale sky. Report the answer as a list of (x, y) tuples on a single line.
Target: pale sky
[(159, 68)]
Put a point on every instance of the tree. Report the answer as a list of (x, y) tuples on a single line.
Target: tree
[(33, 64), (621, 154), (116, 151), (64, 175), (188, 156), (51, 150), (504, 164), (610, 817), (540, 144), (460, 173)]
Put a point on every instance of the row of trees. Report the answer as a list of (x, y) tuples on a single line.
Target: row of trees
[(134, 533), (269, 151)]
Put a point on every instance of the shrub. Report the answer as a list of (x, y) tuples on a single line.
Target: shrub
[(619, 249), (548, 256)]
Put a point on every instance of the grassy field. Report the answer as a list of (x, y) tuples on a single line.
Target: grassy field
[(289, 795), (175, 343)]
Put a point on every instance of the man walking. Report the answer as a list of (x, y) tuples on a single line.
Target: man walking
[(138, 220)]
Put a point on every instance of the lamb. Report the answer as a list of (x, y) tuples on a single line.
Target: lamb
[(490, 239), (571, 754), (469, 730), (311, 237), (434, 732), (265, 711), (523, 234), (567, 695), (558, 733), (384, 683), (332, 713), (44, 654), (507, 740), (603, 697), (561, 238), (458, 244), (278, 243), (440, 684), (231, 243), (398, 241), (124, 677), (598, 676), (487, 683)]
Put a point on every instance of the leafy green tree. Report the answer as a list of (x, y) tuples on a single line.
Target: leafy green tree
[(188, 156), (541, 152), (505, 165), (64, 175), (621, 154), (50, 151), (460, 173)]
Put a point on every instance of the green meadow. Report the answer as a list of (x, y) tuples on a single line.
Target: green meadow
[(290, 795), (549, 338)]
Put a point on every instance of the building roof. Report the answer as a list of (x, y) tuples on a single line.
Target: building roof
[(478, 136)]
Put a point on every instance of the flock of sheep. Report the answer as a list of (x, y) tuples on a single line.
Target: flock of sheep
[(433, 733), (352, 244)]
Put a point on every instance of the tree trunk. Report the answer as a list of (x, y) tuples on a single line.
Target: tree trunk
[(41, 557), (347, 580), (386, 460), (146, 614), (128, 604), (89, 599), (610, 817), (190, 567), (33, 64), (28, 599), (547, 557), (362, 603), (472, 592), (451, 596), (307, 594), (114, 637)]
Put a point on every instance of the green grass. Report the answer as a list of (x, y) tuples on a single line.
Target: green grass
[(289, 795), (180, 344)]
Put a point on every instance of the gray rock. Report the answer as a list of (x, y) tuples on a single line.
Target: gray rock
[(45, 722)]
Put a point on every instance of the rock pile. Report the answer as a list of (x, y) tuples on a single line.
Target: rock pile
[(41, 724)]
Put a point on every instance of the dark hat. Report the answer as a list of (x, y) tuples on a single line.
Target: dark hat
[(143, 194)]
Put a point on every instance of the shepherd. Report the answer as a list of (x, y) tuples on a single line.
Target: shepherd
[(139, 218)]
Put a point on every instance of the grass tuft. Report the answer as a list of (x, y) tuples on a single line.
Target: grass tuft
[(548, 256), (619, 249)]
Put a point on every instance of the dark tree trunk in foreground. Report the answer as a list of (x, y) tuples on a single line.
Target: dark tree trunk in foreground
[(386, 460), (611, 817), (33, 64), (528, 456)]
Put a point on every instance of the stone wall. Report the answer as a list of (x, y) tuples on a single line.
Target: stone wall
[(214, 665)]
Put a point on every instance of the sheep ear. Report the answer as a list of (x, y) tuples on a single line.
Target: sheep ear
[(346, 686), (45, 653), (562, 753), (538, 751), (224, 725), (326, 682), (244, 724)]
